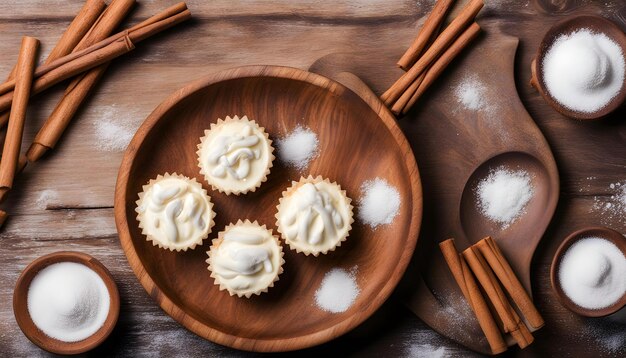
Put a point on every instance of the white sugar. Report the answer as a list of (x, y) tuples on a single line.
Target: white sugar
[(379, 204), (112, 131), (298, 148), (337, 291), (503, 195), (612, 207), (45, 198), (427, 351), (68, 301), (471, 93), (584, 70), (592, 273)]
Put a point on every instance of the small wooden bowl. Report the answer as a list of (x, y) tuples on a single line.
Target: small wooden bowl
[(20, 306), (613, 236), (595, 23)]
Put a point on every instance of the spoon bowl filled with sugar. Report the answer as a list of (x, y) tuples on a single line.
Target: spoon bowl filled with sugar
[(66, 302), (579, 68), (588, 272), (510, 196)]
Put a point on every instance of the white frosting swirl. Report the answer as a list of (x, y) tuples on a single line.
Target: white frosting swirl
[(235, 154), (174, 211), (315, 217), (247, 260)]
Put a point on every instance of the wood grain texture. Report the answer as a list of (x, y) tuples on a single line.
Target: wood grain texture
[(505, 136), (279, 99), (82, 170)]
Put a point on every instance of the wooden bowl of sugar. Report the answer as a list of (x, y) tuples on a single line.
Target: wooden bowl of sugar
[(579, 68), (60, 287), (588, 271)]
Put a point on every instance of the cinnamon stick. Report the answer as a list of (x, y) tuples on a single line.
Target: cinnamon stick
[(510, 319), (84, 20), (432, 23), (77, 29), (80, 87), (11, 149), (443, 41), (472, 294), (398, 107), (500, 266), (437, 68), (97, 54)]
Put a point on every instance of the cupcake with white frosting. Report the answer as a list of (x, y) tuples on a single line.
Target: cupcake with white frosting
[(235, 155), (314, 216), (246, 259), (175, 212)]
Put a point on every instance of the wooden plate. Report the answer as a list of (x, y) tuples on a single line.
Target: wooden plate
[(456, 147), (359, 140), (34, 334)]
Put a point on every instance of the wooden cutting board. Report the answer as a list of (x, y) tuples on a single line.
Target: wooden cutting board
[(456, 147)]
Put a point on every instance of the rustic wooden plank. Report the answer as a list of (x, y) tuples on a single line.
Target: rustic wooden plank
[(227, 34)]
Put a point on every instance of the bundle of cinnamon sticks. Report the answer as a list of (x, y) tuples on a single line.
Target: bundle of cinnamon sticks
[(431, 53), (83, 54), (507, 308)]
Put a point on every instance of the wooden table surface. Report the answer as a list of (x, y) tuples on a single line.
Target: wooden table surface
[(64, 202)]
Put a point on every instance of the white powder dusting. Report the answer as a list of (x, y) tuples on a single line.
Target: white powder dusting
[(612, 207), (471, 93), (45, 198), (427, 351), (112, 131), (379, 204), (584, 70), (592, 273), (337, 291), (610, 335), (68, 301), (503, 195), (298, 148)]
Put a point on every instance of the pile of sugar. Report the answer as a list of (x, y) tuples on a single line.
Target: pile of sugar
[(68, 301), (584, 70), (337, 291), (503, 195), (298, 147), (379, 204), (592, 273), (113, 133), (471, 93)]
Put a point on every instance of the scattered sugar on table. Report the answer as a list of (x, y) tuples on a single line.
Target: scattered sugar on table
[(379, 203), (298, 147), (338, 290), (612, 207), (112, 130), (45, 198)]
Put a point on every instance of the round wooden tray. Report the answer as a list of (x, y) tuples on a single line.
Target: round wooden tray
[(359, 140)]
